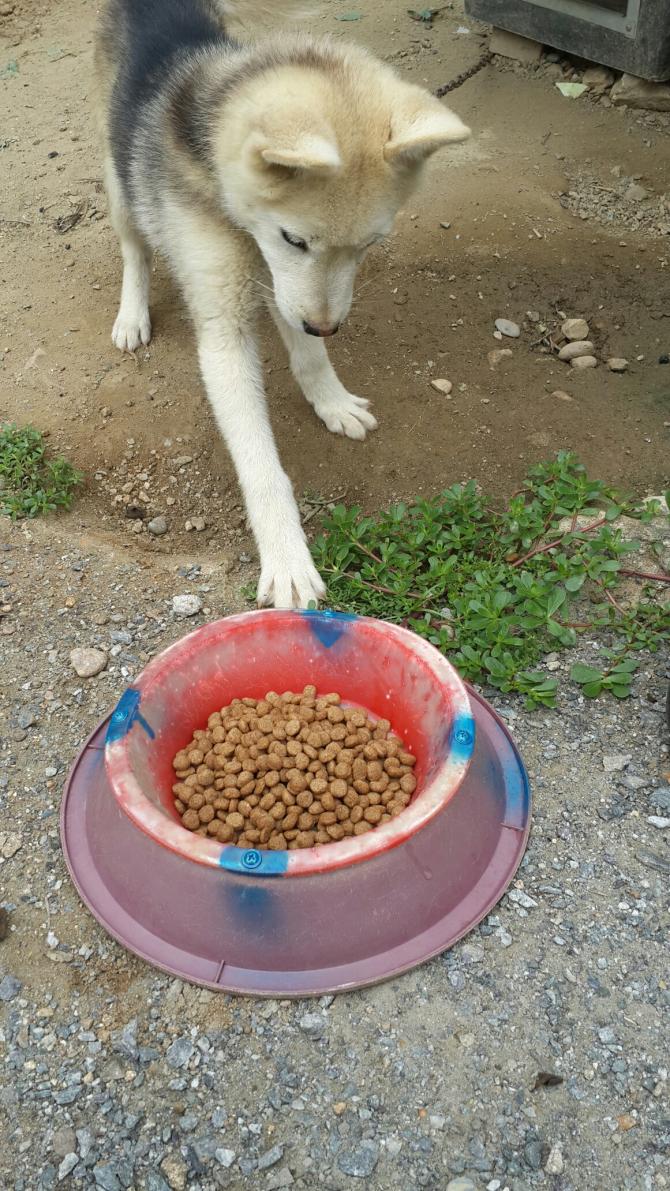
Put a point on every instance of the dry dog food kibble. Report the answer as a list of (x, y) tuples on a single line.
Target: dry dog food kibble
[(291, 771)]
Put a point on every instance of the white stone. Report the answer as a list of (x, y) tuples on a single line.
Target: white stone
[(186, 605), (615, 762), (617, 364), (442, 386), (88, 662), (659, 821), (554, 1164), (575, 328), (583, 362), (572, 351), (510, 329), (225, 1157)]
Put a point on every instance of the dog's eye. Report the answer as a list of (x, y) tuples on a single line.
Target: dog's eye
[(294, 241)]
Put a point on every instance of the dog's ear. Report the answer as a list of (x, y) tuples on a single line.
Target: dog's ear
[(309, 152), (420, 127)]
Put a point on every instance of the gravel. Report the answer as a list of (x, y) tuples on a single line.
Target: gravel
[(426, 1081)]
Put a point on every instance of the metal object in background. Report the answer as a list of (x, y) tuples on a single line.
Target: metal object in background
[(628, 35)]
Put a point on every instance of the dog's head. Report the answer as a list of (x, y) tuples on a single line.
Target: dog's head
[(318, 159)]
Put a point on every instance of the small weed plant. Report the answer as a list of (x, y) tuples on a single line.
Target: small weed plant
[(498, 589), (30, 482)]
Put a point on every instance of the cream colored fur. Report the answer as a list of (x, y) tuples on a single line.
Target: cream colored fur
[(323, 146)]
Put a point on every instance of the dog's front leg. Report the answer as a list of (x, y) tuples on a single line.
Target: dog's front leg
[(342, 412), (232, 375)]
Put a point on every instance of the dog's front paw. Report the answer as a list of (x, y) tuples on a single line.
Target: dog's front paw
[(290, 581), (346, 414), (130, 331)]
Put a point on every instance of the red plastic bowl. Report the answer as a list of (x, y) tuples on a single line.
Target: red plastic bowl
[(387, 670)]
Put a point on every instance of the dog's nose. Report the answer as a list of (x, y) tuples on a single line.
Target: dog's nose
[(322, 332)]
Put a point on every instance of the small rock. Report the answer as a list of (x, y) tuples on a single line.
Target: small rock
[(198, 523), (511, 330), (64, 1142), (7, 9), (182, 460), (560, 395), (10, 987), (186, 605), (442, 386), (67, 1166), (632, 92), (158, 526), (581, 363), (658, 821), (615, 762), (225, 1157), (279, 1179), (463, 1184), (312, 1024), (575, 328), (512, 45), (179, 1053), (636, 193), (10, 843), (175, 1172), (26, 718), (360, 1161), (598, 79), (88, 662), (270, 1158), (532, 1152), (554, 1163), (659, 798), (617, 364), (499, 354), (572, 351), (4, 924)]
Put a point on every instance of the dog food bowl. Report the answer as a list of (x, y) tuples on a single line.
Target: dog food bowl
[(313, 920)]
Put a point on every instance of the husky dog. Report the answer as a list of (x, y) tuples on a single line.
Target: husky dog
[(263, 172)]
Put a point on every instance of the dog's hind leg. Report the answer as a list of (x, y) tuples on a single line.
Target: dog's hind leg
[(133, 323), (342, 412)]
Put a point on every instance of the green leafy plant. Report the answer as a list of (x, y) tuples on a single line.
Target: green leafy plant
[(30, 482), (495, 589)]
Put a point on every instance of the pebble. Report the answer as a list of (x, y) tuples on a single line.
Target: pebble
[(10, 987), (270, 1158), (88, 662), (510, 329), (158, 526), (461, 1185), (312, 1024), (554, 1163), (532, 1152), (658, 821), (442, 386), (560, 395), (10, 842), (580, 347), (182, 460), (180, 1052), (67, 1166), (617, 364), (583, 362), (636, 193), (575, 328), (175, 1172), (499, 354), (360, 1161), (615, 762), (224, 1157), (186, 605)]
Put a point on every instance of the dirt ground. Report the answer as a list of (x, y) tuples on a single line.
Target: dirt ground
[(426, 309), (434, 1072)]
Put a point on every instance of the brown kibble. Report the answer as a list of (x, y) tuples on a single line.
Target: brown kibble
[(291, 770), (362, 827)]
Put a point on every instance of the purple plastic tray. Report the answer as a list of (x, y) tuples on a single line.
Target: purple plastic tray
[(306, 935)]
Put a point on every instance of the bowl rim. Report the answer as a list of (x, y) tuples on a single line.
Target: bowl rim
[(154, 822)]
